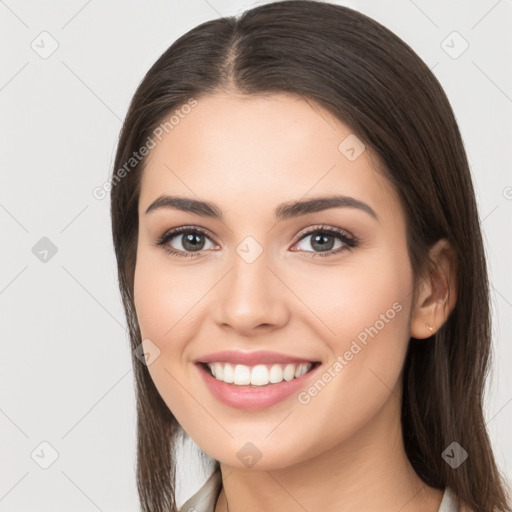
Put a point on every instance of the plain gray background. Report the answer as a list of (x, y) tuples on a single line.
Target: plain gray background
[(66, 376)]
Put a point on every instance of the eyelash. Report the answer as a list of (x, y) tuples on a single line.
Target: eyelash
[(349, 241)]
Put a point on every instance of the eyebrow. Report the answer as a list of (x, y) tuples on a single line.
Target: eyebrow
[(283, 211)]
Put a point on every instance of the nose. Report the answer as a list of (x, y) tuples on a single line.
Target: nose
[(251, 298)]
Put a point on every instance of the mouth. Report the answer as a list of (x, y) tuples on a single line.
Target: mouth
[(260, 375), (254, 380)]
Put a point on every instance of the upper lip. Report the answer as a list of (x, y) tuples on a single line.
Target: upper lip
[(251, 358)]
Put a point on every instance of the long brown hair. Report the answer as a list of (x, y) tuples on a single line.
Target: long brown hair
[(374, 83)]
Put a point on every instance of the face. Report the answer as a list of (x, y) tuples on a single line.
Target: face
[(324, 287)]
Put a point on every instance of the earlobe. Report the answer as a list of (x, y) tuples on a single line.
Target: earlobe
[(437, 295)]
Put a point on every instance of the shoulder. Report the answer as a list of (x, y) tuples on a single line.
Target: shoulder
[(205, 499)]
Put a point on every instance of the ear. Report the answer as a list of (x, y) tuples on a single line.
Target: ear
[(437, 292)]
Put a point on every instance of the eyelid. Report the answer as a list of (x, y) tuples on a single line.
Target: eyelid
[(181, 229), (325, 228)]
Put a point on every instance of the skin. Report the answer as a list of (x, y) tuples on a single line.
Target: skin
[(343, 450)]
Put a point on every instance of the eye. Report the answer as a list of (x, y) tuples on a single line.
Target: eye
[(189, 240), (323, 239)]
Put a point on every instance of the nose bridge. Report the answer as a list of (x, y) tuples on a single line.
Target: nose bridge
[(250, 275), (252, 296)]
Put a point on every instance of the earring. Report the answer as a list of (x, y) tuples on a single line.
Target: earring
[(429, 327)]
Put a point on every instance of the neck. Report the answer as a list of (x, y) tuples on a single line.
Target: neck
[(370, 471)]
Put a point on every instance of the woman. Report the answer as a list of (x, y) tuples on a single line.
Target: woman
[(302, 270)]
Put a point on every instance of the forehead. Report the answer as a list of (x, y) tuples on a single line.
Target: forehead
[(262, 150)]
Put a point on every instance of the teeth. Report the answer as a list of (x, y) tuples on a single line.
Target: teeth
[(259, 375), (228, 373), (242, 375)]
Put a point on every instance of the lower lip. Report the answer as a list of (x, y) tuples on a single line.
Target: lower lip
[(253, 397)]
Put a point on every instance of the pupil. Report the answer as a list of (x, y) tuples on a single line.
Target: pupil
[(323, 245), (192, 242)]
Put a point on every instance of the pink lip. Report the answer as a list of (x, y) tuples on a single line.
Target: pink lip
[(253, 397), (251, 358)]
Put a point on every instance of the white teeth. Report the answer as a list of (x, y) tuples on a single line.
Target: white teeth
[(242, 375), (276, 374), (289, 372), (259, 375), (301, 370), (217, 370), (229, 373)]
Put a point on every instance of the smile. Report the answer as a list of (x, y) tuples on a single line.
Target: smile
[(255, 387), (259, 375)]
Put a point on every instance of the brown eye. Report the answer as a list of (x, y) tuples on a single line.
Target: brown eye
[(183, 241), (327, 241)]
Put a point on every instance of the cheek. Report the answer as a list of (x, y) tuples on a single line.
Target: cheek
[(167, 302), (370, 289), (164, 299), (159, 310), (369, 312), (364, 311)]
